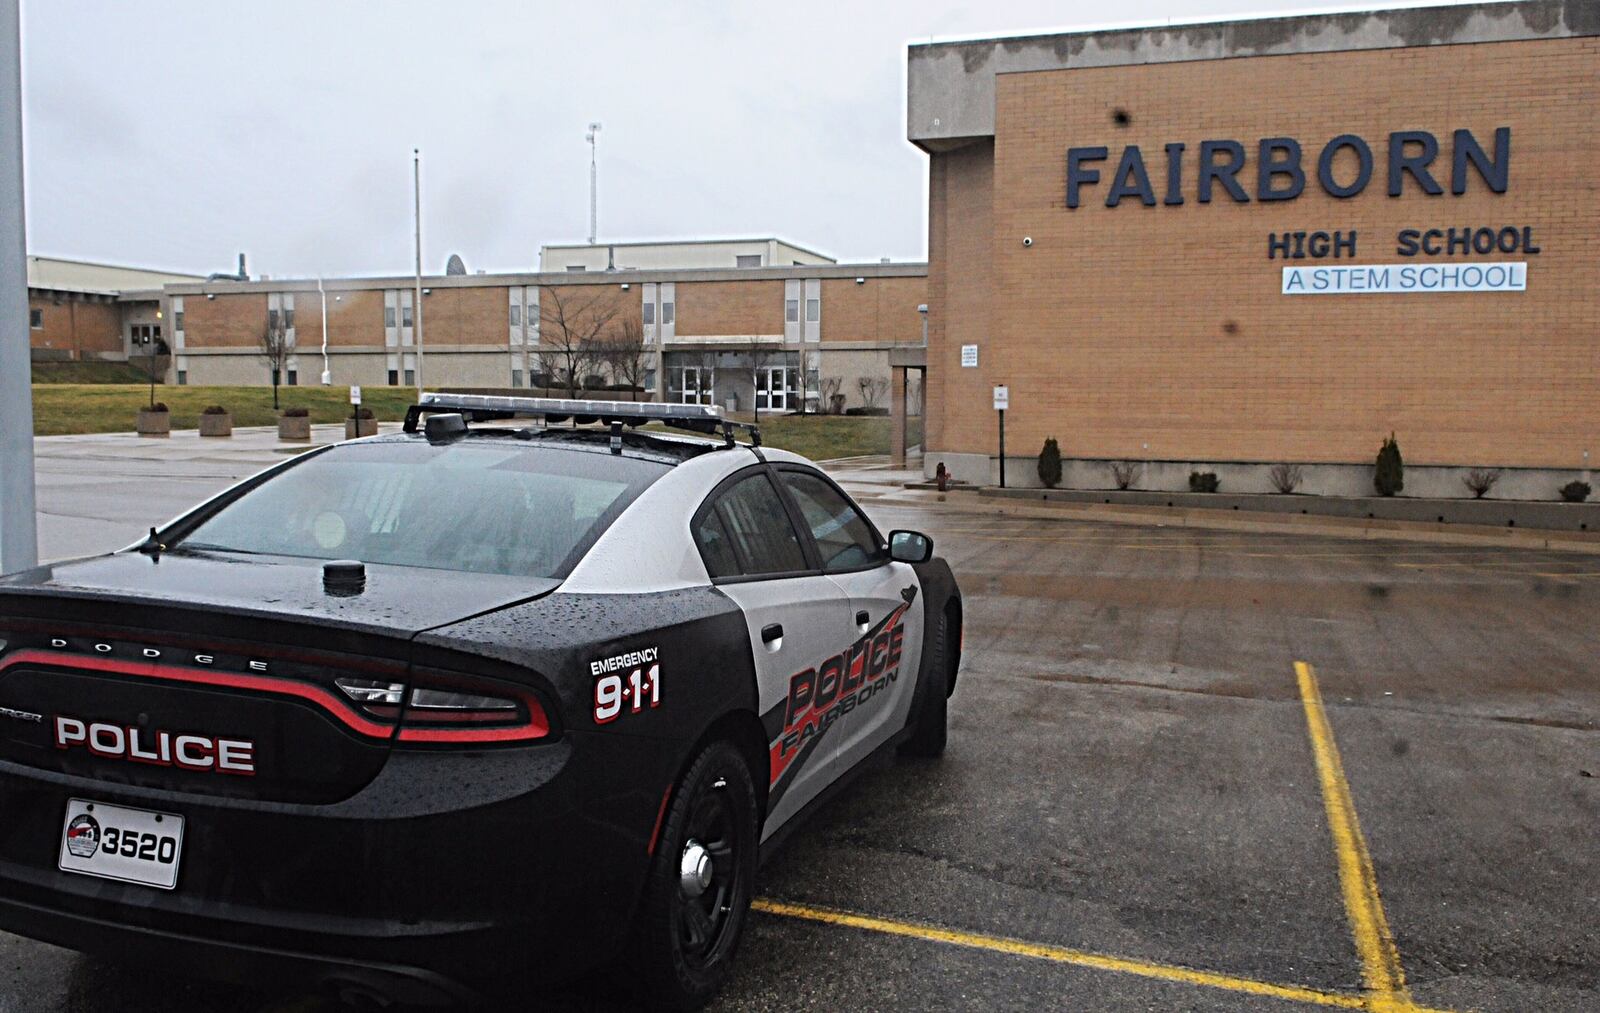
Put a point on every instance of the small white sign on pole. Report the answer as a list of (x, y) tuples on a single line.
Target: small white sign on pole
[(355, 394), (1002, 398), (969, 356)]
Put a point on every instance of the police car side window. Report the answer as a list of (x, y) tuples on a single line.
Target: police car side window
[(716, 548), (752, 521), (844, 538)]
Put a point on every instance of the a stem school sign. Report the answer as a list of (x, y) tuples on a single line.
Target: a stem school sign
[(1343, 169), (1390, 278)]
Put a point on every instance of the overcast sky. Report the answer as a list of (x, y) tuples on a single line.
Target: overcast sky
[(176, 133)]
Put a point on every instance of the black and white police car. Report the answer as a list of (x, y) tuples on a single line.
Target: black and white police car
[(425, 715)]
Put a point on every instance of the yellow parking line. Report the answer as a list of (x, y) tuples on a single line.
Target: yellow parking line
[(1062, 955), (1381, 971)]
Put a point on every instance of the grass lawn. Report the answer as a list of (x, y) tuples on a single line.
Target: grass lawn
[(60, 408), (112, 407)]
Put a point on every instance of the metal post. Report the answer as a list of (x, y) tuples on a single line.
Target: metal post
[(19, 542), (327, 374), (416, 297), (594, 184), (1002, 448)]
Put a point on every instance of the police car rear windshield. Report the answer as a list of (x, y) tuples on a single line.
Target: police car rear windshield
[(492, 507)]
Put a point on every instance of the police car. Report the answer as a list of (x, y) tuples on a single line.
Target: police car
[(523, 689)]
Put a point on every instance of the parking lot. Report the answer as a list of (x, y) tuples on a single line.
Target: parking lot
[(1188, 769)]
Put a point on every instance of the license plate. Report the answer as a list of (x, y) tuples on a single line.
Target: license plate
[(128, 845)]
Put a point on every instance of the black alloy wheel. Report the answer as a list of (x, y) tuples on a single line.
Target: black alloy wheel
[(701, 877)]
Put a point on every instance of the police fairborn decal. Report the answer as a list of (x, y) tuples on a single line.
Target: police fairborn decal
[(822, 695)]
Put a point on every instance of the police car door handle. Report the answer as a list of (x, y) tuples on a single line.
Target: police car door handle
[(771, 633)]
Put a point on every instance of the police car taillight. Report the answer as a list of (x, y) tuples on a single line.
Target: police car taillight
[(447, 708)]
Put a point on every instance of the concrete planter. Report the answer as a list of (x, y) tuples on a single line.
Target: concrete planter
[(357, 428), (154, 423), (292, 428), (216, 425)]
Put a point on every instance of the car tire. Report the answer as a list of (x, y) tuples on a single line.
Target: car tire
[(692, 915), (928, 732)]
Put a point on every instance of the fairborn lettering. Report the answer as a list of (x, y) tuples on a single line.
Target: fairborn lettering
[(160, 748), (1344, 167), (820, 696)]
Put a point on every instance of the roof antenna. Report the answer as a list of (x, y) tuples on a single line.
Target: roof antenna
[(616, 436), (152, 546), (727, 434)]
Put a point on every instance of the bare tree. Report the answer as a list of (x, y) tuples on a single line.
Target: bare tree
[(872, 388), (274, 349), (569, 335), (830, 388), (623, 351), (761, 357)]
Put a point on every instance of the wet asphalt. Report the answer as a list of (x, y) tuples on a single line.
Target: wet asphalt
[(1129, 774)]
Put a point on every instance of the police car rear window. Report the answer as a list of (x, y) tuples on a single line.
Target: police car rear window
[(479, 508)]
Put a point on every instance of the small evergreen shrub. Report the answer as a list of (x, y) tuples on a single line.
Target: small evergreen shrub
[(1575, 492), (157, 406), (296, 413), (1050, 464), (1203, 481), (1389, 475), (213, 409), (362, 413)]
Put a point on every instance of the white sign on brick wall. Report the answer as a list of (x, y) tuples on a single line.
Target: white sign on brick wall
[(969, 356), (1499, 276)]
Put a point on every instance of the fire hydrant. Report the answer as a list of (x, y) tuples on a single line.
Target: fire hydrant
[(941, 477)]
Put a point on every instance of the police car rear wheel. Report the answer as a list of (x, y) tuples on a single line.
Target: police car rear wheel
[(698, 892)]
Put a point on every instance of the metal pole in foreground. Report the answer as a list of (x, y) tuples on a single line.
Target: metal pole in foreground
[(416, 297), (19, 542)]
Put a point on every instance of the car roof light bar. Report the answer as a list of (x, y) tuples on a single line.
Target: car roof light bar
[(704, 419)]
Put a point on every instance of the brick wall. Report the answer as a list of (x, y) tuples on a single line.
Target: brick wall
[(729, 307), (1160, 332), (878, 309), (465, 316), (229, 321), (75, 328)]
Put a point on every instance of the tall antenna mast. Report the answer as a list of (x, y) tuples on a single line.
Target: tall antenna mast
[(594, 176)]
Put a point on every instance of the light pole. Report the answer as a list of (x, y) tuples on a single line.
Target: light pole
[(19, 541), (416, 296), (594, 183), (327, 374)]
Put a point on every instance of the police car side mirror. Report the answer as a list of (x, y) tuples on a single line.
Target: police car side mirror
[(910, 547)]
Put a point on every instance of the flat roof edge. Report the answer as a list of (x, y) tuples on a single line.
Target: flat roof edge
[(950, 85)]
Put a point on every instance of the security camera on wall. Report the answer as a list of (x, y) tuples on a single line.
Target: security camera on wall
[(1027, 240)]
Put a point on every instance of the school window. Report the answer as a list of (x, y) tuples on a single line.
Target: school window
[(516, 378), (411, 378), (288, 319), (791, 311), (294, 378), (747, 260), (177, 320), (649, 314), (576, 267), (388, 316), (183, 377), (405, 316), (666, 314), (516, 315), (36, 319), (272, 320), (813, 310), (394, 378)]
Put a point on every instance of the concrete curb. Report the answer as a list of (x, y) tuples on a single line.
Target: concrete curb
[(1271, 523)]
